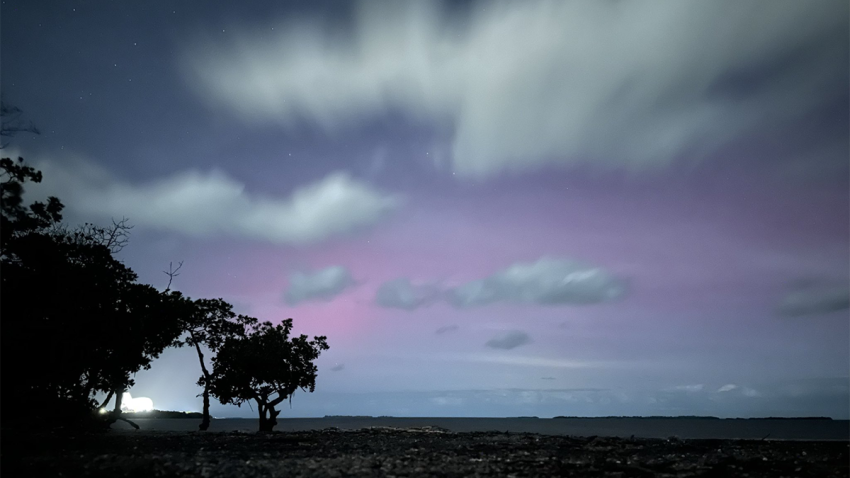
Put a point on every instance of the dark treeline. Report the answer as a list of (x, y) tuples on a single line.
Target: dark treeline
[(76, 323)]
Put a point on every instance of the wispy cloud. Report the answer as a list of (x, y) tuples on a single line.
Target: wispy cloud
[(213, 204), (815, 299), (526, 84), (687, 388), (548, 281), (402, 294), (446, 329), (322, 285), (509, 340)]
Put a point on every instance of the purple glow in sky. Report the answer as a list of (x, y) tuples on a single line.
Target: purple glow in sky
[(490, 208)]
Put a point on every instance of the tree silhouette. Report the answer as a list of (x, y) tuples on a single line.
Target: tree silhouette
[(76, 323), (266, 366), (75, 320), (210, 324)]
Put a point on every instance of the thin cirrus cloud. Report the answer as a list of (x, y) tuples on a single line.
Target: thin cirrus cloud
[(402, 294), (321, 285), (204, 204), (815, 299), (446, 329), (526, 84), (548, 281), (509, 340), (686, 388)]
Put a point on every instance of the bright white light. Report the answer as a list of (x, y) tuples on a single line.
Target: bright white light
[(141, 404)]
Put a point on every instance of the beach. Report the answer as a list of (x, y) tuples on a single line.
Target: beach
[(414, 451)]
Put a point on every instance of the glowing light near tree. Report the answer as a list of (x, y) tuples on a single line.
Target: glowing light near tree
[(141, 404)]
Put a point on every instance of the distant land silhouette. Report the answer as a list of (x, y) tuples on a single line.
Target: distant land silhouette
[(162, 414), (695, 417)]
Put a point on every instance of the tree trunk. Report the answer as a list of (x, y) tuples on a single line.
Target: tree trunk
[(119, 396), (116, 413), (273, 417), (205, 421), (108, 398), (266, 423)]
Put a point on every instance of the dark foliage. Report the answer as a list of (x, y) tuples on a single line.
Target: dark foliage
[(266, 366), (75, 320), (211, 322)]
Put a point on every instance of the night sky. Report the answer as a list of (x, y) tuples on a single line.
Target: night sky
[(490, 209)]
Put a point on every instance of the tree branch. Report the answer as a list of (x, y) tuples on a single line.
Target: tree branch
[(172, 273), (108, 398)]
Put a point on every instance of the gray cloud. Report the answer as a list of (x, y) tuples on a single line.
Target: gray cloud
[(446, 329), (401, 294), (815, 299), (338, 367), (546, 281), (322, 285), (526, 84), (686, 388), (212, 203), (509, 340)]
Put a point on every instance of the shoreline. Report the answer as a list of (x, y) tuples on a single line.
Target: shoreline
[(685, 428)]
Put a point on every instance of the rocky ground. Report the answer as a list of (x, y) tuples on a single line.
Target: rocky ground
[(410, 452)]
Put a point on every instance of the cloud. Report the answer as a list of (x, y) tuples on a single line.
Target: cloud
[(322, 285), (538, 362), (401, 294), (447, 401), (687, 388), (526, 84), (509, 340), (815, 299), (547, 378), (749, 392), (548, 281), (742, 391), (212, 203), (446, 329), (338, 367)]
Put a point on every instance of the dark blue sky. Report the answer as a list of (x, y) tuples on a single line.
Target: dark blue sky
[(495, 208)]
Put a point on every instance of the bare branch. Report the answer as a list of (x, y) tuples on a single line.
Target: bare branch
[(12, 124), (116, 237), (172, 273)]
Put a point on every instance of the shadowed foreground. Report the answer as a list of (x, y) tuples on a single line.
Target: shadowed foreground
[(415, 452), (693, 428)]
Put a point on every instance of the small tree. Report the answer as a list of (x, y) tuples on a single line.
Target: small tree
[(266, 366), (211, 322)]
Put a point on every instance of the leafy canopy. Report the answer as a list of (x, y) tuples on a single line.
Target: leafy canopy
[(265, 365)]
